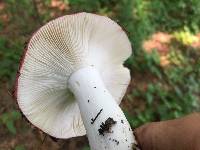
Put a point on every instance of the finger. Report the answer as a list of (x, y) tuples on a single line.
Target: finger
[(148, 135), (178, 134)]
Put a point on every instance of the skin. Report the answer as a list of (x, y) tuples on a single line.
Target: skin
[(177, 134)]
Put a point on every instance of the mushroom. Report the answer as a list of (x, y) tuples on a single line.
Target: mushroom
[(72, 79)]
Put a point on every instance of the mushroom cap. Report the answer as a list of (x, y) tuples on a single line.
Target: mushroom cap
[(54, 52)]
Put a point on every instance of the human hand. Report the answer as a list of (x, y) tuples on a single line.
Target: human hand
[(177, 134)]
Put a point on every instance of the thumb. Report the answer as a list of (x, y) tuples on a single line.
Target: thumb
[(177, 134)]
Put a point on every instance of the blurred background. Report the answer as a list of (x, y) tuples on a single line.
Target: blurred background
[(165, 66)]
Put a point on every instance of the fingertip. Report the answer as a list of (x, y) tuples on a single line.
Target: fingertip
[(143, 136)]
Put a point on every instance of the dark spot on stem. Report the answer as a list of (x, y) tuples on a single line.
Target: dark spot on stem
[(88, 100), (106, 127), (93, 120), (116, 141), (122, 121), (95, 87)]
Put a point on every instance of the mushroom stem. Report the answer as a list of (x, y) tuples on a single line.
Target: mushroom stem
[(105, 123)]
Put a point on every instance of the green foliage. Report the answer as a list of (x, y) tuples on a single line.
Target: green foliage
[(22, 14), (8, 119), (185, 37), (85, 5), (9, 58), (19, 147), (172, 91), (135, 19), (145, 63), (86, 148), (143, 17), (172, 15)]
